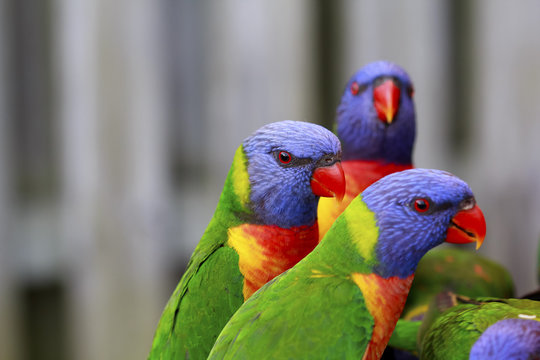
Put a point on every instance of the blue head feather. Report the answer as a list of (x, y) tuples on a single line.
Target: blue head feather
[(404, 234), (280, 195), (363, 136), (511, 339)]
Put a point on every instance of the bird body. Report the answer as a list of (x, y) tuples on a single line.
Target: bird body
[(264, 223), (343, 299), (375, 123), (454, 325)]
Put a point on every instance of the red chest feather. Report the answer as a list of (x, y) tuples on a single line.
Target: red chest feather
[(385, 299), (267, 251)]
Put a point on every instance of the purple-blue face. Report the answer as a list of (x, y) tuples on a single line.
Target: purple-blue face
[(282, 159), (414, 211), (376, 116)]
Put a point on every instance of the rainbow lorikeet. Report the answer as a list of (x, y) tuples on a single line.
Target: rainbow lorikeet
[(343, 299), (457, 327), (264, 223), (376, 125)]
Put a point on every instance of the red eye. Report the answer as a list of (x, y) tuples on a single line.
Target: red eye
[(421, 205), (284, 157), (355, 88)]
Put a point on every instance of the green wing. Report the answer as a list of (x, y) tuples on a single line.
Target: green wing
[(451, 333), (208, 294), (210, 290), (298, 317)]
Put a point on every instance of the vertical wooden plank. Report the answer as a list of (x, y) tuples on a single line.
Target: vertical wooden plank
[(413, 34), (76, 59), (143, 183), (503, 163), (112, 118), (257, 69), (9, 310)]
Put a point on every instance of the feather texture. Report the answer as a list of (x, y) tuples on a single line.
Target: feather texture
[(344, 298), (264, 223)]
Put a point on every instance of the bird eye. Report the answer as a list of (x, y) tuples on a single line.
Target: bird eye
[(421, 205), (284, 157), (355, 88), (410, 91)]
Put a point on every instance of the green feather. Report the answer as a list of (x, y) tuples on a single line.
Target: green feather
[(405, 334), (191, 307), (265, 318), (266, 321), (453, 323)]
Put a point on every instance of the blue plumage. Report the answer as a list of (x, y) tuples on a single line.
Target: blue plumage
[(362, 135), (446, 194), (509, 339), (280, 193)]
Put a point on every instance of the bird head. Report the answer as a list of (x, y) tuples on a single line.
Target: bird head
[(290, 165), (512, 339), (376, 116), (418, 209)]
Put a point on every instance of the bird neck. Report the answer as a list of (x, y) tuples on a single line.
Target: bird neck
[(366, 138), (385, 299), (233, 206), (359, 174), (265, 251), (349, 250), (349, 246)]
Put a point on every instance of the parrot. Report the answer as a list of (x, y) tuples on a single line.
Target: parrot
[(343, 299), (264, 223), (458, 327), (376, 124)]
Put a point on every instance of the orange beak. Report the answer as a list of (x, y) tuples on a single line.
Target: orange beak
[(329, 181), (467, 226), (386, 100)]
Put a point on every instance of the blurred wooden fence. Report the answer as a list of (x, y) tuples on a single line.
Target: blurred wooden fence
[(118, 121)]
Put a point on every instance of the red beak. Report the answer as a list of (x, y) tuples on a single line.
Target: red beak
[(329, 181), (467, 226), (386, 100)]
